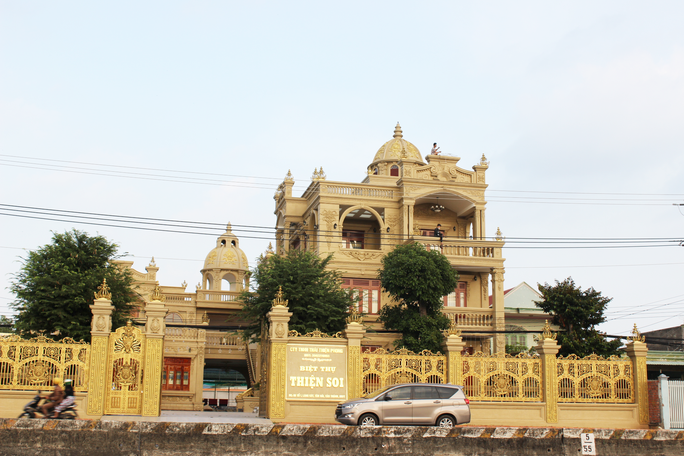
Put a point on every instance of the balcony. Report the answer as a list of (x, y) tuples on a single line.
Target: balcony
[(475, 253), (471, 318), (219, 299), (221, 344)]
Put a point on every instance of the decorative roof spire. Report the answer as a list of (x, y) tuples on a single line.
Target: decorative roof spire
[(229, 228), (397, 131), (288, 177)]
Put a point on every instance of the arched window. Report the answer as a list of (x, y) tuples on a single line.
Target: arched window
[(394, 171)]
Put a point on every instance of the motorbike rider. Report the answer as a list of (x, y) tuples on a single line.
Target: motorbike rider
[(68, 400), (54, 398)]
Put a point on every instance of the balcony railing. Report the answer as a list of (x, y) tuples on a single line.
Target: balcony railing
[(220, 339), (461, 247), (218, 296), (470, 318), (358, 191)]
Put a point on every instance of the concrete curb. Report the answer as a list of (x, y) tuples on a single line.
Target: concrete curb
[(52, 437)]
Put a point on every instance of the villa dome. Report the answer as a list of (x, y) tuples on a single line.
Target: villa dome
[(227, 254), (397, 149)]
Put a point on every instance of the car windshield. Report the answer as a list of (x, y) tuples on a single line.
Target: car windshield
[(377, 393)]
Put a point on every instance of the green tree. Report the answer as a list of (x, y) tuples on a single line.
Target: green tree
[(578, 312), (417, 279), (314, 293), (56, 284)]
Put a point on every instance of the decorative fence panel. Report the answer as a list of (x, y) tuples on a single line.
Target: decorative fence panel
[(33, 363), (502, 378), (595, 379), (382, 368)]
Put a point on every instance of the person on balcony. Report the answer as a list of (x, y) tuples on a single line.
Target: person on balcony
[(439, 233), (435, 149)]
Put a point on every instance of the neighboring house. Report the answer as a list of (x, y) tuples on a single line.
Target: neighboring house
[(665, 352), (523, 315)]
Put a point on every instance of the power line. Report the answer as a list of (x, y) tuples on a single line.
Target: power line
[(205, 179), (211, 229)]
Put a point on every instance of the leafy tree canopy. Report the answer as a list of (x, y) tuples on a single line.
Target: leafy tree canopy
[(314, 293), (417, 279), (578, 312), (56, 285)]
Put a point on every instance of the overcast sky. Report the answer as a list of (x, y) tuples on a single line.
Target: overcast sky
[(120, 107)]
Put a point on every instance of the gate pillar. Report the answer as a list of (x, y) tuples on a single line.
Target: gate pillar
[(278, 319), (548, 348), (637, 351), (100, 327), (155, 328), (453, 346), (354, 333)]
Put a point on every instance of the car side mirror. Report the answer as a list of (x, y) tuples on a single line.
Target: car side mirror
[(388, 397)]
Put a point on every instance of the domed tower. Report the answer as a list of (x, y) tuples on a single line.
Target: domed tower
[(386, 161), (226, 267)]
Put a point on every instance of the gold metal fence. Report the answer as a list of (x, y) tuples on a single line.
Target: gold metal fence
[(33, 363), (502, 377), (381, 368), (595, 379)]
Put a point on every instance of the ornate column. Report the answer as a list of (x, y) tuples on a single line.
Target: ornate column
[(547, 347), (354, 333), (100, 328), (278, 319), (637, 351), (498, 306), (453, 346), (409, 217), (155, 327), (476, 224)]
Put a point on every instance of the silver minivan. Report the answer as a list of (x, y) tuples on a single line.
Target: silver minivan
[(426, 404)]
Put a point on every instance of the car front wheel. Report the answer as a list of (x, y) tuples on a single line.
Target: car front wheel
[(368, 420), (446, 421)]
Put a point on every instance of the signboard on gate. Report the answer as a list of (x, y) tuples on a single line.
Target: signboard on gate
[(316, 372)]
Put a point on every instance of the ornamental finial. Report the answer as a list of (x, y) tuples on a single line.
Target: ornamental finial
[(397, 131), (452, 330), (152, 263), (103, 291), (499, 234), (278, 301), (288, 177), (636, 335), (157, 295), (546, 332), (354, 315), (483, 161)]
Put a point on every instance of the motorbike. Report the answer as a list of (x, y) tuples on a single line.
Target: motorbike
[(34, 407)]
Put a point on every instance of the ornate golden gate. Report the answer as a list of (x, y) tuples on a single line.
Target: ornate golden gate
[(126, 355)]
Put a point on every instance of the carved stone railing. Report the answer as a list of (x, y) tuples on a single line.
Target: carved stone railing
[(184, 334), (470, 318), (178, 298), (218, 296), (357, 191), (461, 247), (227, 340)]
